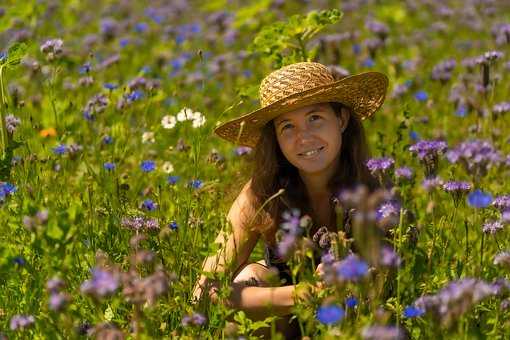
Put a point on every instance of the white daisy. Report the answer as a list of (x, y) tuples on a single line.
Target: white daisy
[(199, 122), (168, 167), (168, 122), (148, 137)]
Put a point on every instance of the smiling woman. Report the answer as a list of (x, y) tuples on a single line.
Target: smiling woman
[(309, 143)]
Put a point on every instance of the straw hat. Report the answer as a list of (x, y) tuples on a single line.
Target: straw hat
[(301, 84)]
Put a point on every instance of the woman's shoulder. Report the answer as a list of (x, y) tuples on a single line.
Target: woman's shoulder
[(245, 211)]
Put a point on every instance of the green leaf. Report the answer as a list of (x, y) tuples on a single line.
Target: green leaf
[(15, 53)]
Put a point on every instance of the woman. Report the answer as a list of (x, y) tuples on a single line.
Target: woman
[(308, 143)]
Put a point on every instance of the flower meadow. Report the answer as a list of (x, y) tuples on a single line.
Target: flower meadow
[(113, 187)]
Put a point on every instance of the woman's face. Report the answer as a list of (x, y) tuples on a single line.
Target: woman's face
[(311, 137)]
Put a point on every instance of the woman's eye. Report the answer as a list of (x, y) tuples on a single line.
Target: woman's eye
[(286, 126), (315, 117)]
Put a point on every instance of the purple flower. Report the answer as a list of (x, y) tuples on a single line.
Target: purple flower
[(502, 258), (476, 156), (52, 48), (443, 70), (501, 108), (389, 258), (428, 152), (196, 319), (107, 140), (431, 182), (380, 166), (479, 199), (330, 314), (492, 227), (388, 214), (404, 172), (148, 166), (286, 245), (502, 202), (54, 285), (352, 268), (58, 301), (379, 332), (457, 190), (196, 183), (242, 150), (413, 312), (11, 123), (6, 189), (21, 321), (102, 283)]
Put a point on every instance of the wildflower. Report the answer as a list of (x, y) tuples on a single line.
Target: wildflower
[(388, 214), (457, 190), (185, 114), (52, 48), (110, 86), (479, 199), (146, 290), (428, 152), (503, 259), (242, 150), (501, 108), (19, 260), (389, 258), (476, 156), (149, 205), (413, 312), (351, 302), (172, 179), (167, 167), (492, 227), (421, 96), (58, 301), (443, 70), (50, 132), (291, 221), (352, 268), (330, 314), (102, 283), (107, 140), (11, 123), (148, 137), (502, 202), (379, 166), (404, 173), (383, 333), (148, 166), (21, 321), (431, 182), (198, 120), (173, 225), (168, 122), (109, 166), (6, 189), (456, 298), (196, 319), (196, 184), (60, 149)]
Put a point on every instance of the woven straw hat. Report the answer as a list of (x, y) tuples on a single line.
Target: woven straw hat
[(301, 84)]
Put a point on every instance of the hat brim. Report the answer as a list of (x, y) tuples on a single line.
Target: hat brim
[(363, 93)]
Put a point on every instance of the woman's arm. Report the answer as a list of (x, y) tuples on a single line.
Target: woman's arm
[(236, 246)]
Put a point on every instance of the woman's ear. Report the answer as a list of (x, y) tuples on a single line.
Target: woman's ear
[(345, 114)]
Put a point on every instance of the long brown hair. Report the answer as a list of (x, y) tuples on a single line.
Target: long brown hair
[(272, 172)]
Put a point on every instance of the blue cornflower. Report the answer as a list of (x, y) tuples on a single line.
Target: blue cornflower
[(180, 38), (352, 268), (351, 302), (196, 183), (173, 225), (149, 205), (421, 96), (172, 179), (148, 166), (85, 68), (461, 111), (110, 86), (107, 140), (141, 27), (414, 135), (330, 314), (356, 48), (109, 166), (413, 312), (368, 62), (3, 56), (135, 95), (19, 260), (7, 188), (88, 115), (247, 73), (60, 149), (479, 199)]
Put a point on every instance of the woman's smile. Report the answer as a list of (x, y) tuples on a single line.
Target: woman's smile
[(311, 153)]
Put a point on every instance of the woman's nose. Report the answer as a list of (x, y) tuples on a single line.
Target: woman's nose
[(303, 135)]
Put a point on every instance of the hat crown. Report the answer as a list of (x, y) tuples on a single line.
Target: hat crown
[(292, 79)]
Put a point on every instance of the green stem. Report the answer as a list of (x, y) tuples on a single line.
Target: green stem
[(2, 113)]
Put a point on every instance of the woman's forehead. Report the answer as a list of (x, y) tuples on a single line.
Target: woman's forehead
[(301, 111)]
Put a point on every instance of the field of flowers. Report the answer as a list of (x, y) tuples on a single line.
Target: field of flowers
[(113, 186)]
